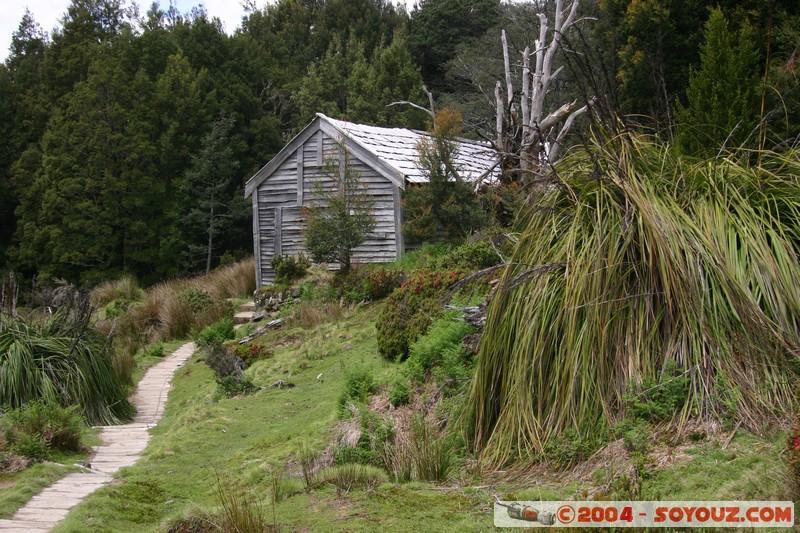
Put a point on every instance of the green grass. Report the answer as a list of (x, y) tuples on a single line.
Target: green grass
[(242, 440), (17, 488), (750, 468)]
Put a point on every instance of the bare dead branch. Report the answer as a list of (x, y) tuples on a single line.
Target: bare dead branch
[(415, 106)]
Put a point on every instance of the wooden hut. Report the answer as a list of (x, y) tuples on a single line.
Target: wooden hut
[(386, 159)]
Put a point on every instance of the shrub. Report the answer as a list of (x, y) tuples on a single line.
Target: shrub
[(229, 371), (154, 350), (289, 268), (358, 386), (410, 309), (240, 511), (236, 384), (635, 435), (308, 314), (250, 353), (660, 399), (440, 342), (432, 453), (222, 362), (570, 447), (365, 284), (39, 427), (124, 289), (196, 299), (399, 394), (309, 458), (216, 333), (470, 256)]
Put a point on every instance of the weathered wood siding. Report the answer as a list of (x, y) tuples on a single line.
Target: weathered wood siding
[(283, 196)]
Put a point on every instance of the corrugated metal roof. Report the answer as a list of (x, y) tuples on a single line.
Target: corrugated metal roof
[(398, 147)]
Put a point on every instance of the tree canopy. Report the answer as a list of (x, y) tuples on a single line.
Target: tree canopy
[(102, 123)]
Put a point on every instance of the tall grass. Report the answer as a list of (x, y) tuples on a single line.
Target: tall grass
[(63, 360), (240, 511), (168, 311), (639, 260)]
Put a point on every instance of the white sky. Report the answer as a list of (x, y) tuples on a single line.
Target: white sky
[(48, 12)]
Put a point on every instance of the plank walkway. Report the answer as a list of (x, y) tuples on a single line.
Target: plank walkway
[(122, 446)]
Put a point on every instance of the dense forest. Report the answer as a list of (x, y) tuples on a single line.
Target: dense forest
[(127, 137)]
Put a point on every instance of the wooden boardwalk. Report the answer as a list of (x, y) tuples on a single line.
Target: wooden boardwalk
[(122, 446)]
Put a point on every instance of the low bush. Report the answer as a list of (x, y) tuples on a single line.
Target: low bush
[(196, 299), (234, 385), (442, 342), (469, 257), (409, 311), (358, 386), (289, 268), (250, 353), (399, 394), (570, 447), (635, 435), (309, 463), (229, 371), (309, 314), (365, 284), (241, 511), (124, 289), (154, 350), (658, 400), (221, 361), (218, 332), (61, 360), (41, 427), (434, 454)]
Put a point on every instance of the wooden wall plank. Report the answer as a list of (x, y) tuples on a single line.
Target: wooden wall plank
[(299, 198)]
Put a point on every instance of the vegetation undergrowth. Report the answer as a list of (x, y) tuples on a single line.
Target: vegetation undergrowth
[(61, 359), (169, 310), (277, 442)]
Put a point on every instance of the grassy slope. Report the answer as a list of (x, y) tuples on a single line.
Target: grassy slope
[(19, 487), (243, 441)]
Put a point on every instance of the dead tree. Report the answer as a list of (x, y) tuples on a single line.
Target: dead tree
[(530, 143)]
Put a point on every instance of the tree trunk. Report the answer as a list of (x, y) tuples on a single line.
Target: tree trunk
[(210, 239)]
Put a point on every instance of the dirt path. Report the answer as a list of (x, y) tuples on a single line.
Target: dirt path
[(122, 446)]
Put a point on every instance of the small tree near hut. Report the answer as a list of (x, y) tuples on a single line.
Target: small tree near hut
[(340, 219), (446, 207)]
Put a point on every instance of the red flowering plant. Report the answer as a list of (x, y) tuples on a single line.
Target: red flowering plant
[(366, 283), (410, 310)]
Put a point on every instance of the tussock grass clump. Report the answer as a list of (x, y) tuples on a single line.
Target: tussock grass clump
[(636, 264), (240, 511), (309, 314), (125, 288), (351, 476), (172, 309), (423, 453), (61, 360)]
